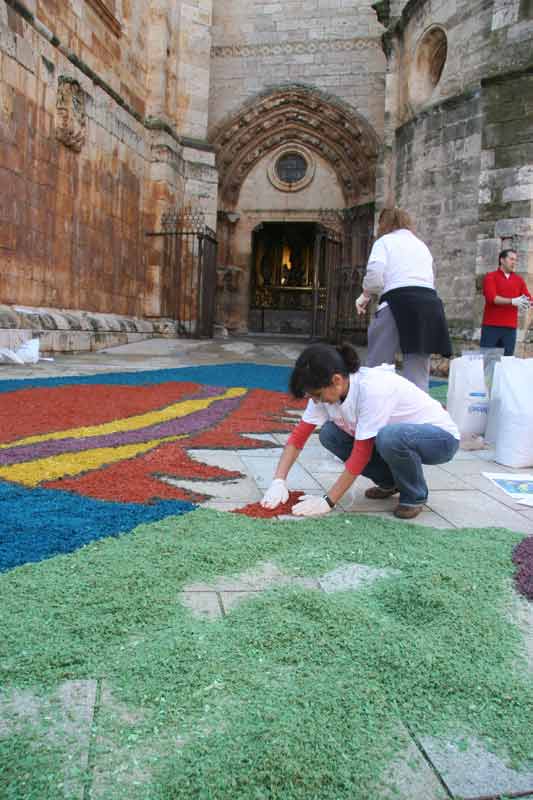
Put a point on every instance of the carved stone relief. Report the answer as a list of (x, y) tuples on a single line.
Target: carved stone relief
[(70, 121), (301, 116)]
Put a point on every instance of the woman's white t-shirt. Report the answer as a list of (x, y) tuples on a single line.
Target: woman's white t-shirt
[(378, 396)]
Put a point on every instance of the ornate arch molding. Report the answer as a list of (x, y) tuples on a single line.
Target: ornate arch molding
[(302, 116)]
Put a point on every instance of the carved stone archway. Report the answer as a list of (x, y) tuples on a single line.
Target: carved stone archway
[(300, 115)]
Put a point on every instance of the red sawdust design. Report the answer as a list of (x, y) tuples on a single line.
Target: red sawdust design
[(137, 480), (257, 510), (30, 412), (132, 482), (259, 412)]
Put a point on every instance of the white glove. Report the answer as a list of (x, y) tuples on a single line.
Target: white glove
[(276, 494), (310, 505), (361, 304), (521, 302)]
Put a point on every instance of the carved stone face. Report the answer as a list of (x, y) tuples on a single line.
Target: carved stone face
[(70, 114)]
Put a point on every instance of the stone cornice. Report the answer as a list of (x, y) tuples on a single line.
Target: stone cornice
[(294, 48), (502, 77), (396, 25), (101, 9)]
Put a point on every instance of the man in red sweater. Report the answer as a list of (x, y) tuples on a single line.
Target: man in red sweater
[(505, 294)]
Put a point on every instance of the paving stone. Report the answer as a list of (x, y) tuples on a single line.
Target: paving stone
[(473, 466), (63, 719), (225, 459), (411, 777), (438, 479), (487, 487), (202, 603), (231, 600), (473, 509), (474, 772), (261, 470), (353, 576), (242, 489), (522, 614), (321, 463)]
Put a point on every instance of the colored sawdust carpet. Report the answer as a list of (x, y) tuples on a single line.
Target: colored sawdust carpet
[(296, 693), (86, 457)]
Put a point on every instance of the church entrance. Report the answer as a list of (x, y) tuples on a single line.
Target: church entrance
[(292, 266)]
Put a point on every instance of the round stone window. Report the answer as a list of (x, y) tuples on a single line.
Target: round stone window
[(291, 167)]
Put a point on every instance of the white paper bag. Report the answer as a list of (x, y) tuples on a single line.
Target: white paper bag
[(468, 402), (511, 418)]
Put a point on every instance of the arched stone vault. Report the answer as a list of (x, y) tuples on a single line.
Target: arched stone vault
[(299, 115)]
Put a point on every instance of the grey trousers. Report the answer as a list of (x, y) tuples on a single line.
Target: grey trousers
[(384, 343)]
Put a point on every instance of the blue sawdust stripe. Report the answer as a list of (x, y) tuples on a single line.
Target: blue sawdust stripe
[(36, 524), (249, 376)]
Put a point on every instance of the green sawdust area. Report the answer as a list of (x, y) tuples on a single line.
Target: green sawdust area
[(439, 393), (295, 694)]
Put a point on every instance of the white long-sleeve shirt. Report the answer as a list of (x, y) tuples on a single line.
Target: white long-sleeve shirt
[(398, 259)]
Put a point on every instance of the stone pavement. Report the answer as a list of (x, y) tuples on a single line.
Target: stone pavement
[(459, 497)]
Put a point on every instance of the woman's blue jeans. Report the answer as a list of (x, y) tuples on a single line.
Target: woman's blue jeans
[(398, 454)]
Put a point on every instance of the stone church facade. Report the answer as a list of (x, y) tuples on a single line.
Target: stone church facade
[(281, 126)]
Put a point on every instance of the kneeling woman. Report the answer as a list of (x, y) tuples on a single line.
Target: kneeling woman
[(381, 425)]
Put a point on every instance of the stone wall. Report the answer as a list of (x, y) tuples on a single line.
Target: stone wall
[(437, 179), (448, 154), (86, 167), (333, 46), (506, 183)]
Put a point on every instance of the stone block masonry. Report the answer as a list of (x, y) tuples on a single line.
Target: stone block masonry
[(437, 178), (85, 167)]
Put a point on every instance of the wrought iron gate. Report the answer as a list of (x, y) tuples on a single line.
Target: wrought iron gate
[(347, 278), (188, 282), (328, 253)]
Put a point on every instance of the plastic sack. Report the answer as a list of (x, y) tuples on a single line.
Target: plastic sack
[(29, 351), (468, 401), (511, 418)]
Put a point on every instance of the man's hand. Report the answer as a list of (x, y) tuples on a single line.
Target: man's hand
[(311, 506), (521, 302), (361, 304), (276, 494)]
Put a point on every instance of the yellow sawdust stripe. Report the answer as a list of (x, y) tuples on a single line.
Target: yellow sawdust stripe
[(173, 411), (32, 473)]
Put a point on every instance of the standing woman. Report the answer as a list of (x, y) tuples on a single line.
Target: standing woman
[(376, 422), (410, 315)]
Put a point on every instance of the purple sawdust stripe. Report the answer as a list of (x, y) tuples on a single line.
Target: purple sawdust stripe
[(192, 423), (523, 558)]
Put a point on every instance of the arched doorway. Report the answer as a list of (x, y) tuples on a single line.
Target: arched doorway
[(291, 281), (289, 159)]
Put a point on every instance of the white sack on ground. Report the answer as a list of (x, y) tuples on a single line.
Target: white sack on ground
[(27, 353), (511, 418), (468, 401)]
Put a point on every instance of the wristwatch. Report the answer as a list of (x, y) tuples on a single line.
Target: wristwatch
[(329, 501)]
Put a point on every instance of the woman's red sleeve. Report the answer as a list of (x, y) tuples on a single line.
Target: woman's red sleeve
[(360, 456), (301, 434)]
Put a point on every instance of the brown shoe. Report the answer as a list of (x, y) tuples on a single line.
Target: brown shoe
[(379, 493), (407, 512)]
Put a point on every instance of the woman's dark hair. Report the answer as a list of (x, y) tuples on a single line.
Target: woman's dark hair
[(316, 366)]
